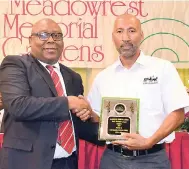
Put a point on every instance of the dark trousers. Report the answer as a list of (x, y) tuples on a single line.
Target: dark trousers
[(113, 160), (66, 163)]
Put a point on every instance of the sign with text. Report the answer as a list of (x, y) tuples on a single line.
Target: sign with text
[(87, 28)]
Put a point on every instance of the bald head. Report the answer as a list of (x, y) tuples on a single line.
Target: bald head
[(38, 26), (46, 41), (127, 35), (129, 19)]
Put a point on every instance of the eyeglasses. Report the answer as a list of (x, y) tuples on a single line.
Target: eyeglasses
[(45, 36)]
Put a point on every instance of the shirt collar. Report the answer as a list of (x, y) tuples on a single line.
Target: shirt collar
[(56, 65), (140, 60)]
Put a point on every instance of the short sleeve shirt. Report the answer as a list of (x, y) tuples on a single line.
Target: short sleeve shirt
[(154, 81)]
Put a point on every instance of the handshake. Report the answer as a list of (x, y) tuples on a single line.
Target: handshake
[(81, 107)]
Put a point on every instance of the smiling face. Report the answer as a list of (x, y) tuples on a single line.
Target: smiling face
[(48, 51), (127, 35)]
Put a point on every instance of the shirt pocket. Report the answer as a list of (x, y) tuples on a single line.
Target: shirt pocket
[(150, 98), (19, 144)]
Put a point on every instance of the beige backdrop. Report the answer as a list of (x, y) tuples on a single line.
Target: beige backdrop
[(87, 27)]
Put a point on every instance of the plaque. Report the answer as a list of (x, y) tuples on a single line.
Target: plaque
[(118, 115)]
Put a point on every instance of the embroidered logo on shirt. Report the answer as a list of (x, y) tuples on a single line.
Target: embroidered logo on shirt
[(150, 80)]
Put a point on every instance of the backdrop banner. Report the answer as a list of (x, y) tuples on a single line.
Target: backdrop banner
[(87, 28)]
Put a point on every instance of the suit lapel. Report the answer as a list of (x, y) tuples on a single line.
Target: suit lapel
[(44, 74)]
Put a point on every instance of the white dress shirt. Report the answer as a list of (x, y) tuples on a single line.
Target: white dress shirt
[(158, 98), (59, 151), (1, 117)]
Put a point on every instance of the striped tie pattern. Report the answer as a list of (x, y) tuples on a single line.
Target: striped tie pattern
[(65, 130)]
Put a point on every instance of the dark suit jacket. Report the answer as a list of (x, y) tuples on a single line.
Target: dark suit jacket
[(32, 113)]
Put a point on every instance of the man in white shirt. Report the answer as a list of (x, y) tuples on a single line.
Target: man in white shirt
[(162, 95)]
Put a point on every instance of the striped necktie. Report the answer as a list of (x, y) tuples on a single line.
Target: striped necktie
[(65, 130)]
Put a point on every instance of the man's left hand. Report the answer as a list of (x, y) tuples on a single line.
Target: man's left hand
[(134, 142), (84, 114)]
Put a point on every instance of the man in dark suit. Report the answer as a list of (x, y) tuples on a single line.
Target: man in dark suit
[(40, 96)]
